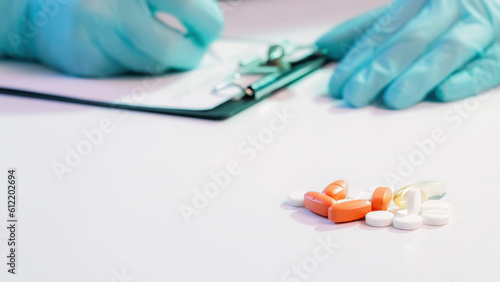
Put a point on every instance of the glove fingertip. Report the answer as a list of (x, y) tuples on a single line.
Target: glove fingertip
[(455, 88), (334, 51), (443, 93), (354, 96), (335, 87), (392, 100)]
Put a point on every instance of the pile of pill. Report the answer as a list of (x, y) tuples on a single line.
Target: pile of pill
[(415, 204)]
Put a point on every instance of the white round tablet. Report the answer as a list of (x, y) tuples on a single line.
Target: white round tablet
[(407, 222), (436, 217), (414, 201), (435, 205), (296, 199), (379, 218)]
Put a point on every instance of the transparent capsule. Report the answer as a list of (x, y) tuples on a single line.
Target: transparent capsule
[(430, 190)]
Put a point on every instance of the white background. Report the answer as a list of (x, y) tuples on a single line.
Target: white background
[(117, 212)]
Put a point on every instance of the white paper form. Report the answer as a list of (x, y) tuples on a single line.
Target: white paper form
[(190, 90)]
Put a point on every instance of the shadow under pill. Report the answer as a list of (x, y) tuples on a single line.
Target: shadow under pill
[(364, 226), (400, 231), (286, 206), (425, 226), (330, 226), (305, 216)]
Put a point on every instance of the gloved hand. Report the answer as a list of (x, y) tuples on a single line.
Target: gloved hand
[(108, 37), (412, 48)]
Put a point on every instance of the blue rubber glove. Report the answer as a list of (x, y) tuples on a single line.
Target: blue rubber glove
[(412, 48), (108, 37)]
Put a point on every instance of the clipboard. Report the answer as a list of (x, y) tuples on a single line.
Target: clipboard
[(221, 112), (256, 77)]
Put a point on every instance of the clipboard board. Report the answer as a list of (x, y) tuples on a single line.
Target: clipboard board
[(267, 75), (221, 112)]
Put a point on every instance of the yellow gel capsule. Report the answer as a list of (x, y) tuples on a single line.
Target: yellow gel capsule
[(430, 190)]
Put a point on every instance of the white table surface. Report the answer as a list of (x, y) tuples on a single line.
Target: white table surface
[(116, 216)]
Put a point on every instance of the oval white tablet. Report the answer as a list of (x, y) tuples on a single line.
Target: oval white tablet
[(435, 205), (296, 199), (436, 217), (414, 201), (407, 222), (379, 218)]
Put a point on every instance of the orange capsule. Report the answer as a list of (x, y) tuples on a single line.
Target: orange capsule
[(381, 198), (349, 210), (337, 190), (318, 203)]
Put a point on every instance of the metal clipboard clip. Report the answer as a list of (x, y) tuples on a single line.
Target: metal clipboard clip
[(257, 77)]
